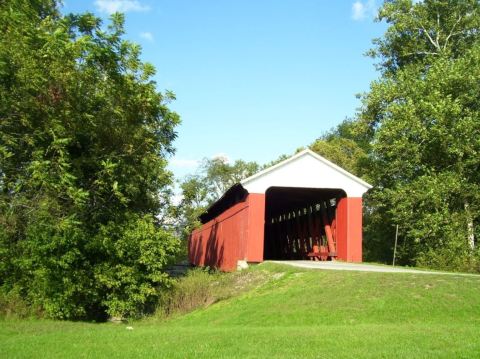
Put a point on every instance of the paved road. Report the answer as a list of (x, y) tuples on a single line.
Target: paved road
[(335, 265)]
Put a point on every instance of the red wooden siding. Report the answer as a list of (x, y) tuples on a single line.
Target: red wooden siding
[(236, 234), (256, 226), (349, 229)]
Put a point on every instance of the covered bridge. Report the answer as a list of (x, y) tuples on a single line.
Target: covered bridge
[(305, 207)]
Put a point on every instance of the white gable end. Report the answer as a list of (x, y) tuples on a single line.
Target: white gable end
[(308, 170)]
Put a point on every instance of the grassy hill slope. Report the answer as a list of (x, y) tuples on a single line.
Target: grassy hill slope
[(297, 313)]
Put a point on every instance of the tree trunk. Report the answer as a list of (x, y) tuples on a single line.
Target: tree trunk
[(470, 229)]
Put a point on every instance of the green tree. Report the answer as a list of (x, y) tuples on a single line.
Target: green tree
[(84, 137), (220, 175), (422, 117), (194, 202)]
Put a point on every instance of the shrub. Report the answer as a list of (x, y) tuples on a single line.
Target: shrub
[(451, 260), (193, 291), (203, 287), (13, 305)]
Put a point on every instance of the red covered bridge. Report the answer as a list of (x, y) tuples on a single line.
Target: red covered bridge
[(304, 207)]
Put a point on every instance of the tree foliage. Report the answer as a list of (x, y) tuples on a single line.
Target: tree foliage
[(420, 32), (84, 137), (423, 120)]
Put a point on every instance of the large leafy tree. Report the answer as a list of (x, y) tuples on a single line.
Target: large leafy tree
[(84, 137), (423, 120)]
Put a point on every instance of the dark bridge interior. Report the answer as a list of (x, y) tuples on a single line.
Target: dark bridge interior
[(300, 223)]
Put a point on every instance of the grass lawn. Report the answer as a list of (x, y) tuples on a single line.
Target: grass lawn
[(297, 314)]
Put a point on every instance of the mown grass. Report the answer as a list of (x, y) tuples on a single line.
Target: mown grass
[(296, 313)]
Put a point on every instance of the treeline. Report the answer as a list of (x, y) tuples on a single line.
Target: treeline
[(416, 137)]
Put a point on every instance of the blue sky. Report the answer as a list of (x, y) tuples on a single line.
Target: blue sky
[(254, 79)]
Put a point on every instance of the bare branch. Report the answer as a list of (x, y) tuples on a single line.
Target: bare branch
[(422, 53), (429, 37), (438, 30), (452, 33)]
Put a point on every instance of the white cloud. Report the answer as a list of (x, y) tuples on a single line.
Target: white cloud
[(363, 9), (358, 10), (222, 156), (111, 6), (147, 36), (184, 163)]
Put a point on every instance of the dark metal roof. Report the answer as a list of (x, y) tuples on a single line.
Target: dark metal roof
[(232, 196)]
